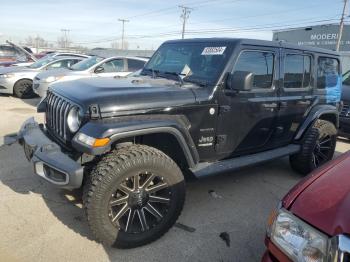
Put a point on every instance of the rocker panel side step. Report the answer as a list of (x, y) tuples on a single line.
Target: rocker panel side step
[(207, 169)]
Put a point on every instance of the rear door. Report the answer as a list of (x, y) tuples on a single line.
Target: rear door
[(295, 92)]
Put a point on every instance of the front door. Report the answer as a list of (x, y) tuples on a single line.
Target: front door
[(247, 118)]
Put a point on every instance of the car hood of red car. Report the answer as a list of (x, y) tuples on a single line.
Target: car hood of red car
[(323, 198)]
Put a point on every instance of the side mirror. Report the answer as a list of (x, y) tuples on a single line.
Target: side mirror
[(240, 81), (99, 70)]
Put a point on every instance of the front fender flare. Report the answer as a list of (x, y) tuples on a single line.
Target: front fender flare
[(120, 128)]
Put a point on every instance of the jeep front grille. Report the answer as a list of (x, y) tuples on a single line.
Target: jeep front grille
[(56, 115), (345, 110)]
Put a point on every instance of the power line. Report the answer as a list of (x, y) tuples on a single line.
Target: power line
[(254, 28), (185, 15), (170, 8)]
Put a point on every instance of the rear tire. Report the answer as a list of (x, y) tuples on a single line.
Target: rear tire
[(317, 147), (23, 89), (133, 196)]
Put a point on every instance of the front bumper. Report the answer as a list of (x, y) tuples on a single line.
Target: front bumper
[(344, 127), (48, 160), (6, 85)]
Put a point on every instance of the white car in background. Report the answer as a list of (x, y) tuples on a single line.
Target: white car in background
[(92, 67), (18, 80)]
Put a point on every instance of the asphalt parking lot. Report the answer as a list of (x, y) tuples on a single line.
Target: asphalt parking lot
[(13, 112), (41, 223)]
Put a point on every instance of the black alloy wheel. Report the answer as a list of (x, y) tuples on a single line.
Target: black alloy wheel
[(139, 203)]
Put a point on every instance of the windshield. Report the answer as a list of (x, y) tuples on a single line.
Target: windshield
[(86, 63), (194, 62), (42, 62)]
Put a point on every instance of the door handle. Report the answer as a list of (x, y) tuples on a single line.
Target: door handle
[(304, 102), (283, 104), (271, 105)]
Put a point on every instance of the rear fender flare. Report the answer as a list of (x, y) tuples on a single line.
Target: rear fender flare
[(317, 113)]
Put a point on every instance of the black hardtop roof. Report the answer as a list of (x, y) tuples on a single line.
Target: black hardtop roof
[(256, 42)]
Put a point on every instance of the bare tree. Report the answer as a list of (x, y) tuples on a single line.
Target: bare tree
[(36, 41), (115, 45)]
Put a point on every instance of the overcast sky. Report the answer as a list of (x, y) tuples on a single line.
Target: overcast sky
[(95, 22)]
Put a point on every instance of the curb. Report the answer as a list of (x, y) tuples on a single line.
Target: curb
[(9, 139)]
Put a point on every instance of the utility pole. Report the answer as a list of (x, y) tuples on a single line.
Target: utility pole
[(123, 22), (184, 15), (341, 25), (65, 33)]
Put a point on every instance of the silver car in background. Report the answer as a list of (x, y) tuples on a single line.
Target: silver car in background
[(95, 66), (19, 80)]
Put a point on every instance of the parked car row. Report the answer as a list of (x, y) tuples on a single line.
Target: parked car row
[(19, 80), (24, 81), (91, 67), (197, 107), (14, 55)]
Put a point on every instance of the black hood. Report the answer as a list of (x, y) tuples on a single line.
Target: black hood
[(124, 94), (345, 96)]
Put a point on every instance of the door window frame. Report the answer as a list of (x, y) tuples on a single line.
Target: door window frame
[(316, 68), (312, 64)]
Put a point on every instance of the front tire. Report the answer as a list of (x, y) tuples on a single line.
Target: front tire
[(317, 147), (23, 89), (133, 196)]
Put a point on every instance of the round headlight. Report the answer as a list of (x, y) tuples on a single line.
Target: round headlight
[(73, 119)]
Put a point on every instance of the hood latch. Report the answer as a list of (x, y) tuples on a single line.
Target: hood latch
[(95, 111)]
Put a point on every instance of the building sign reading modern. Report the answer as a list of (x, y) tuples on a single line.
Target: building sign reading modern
[(323, 36)]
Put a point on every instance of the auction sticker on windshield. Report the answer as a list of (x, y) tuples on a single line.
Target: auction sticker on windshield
[(215, 50)]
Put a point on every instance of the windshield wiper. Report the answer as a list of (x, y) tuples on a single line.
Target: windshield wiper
[(157, 73), (154, 72), (178, 75), (199, 82)]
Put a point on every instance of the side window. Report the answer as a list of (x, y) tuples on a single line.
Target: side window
[(7, 51), (327, 72), (116, 65), (260, 63), (71, 62), (297, 71), (57, 64), (134, 65)]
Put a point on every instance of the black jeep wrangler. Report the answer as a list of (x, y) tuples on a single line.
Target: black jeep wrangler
[(198, 106)]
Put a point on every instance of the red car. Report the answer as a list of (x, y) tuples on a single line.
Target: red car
[(312, 222)]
